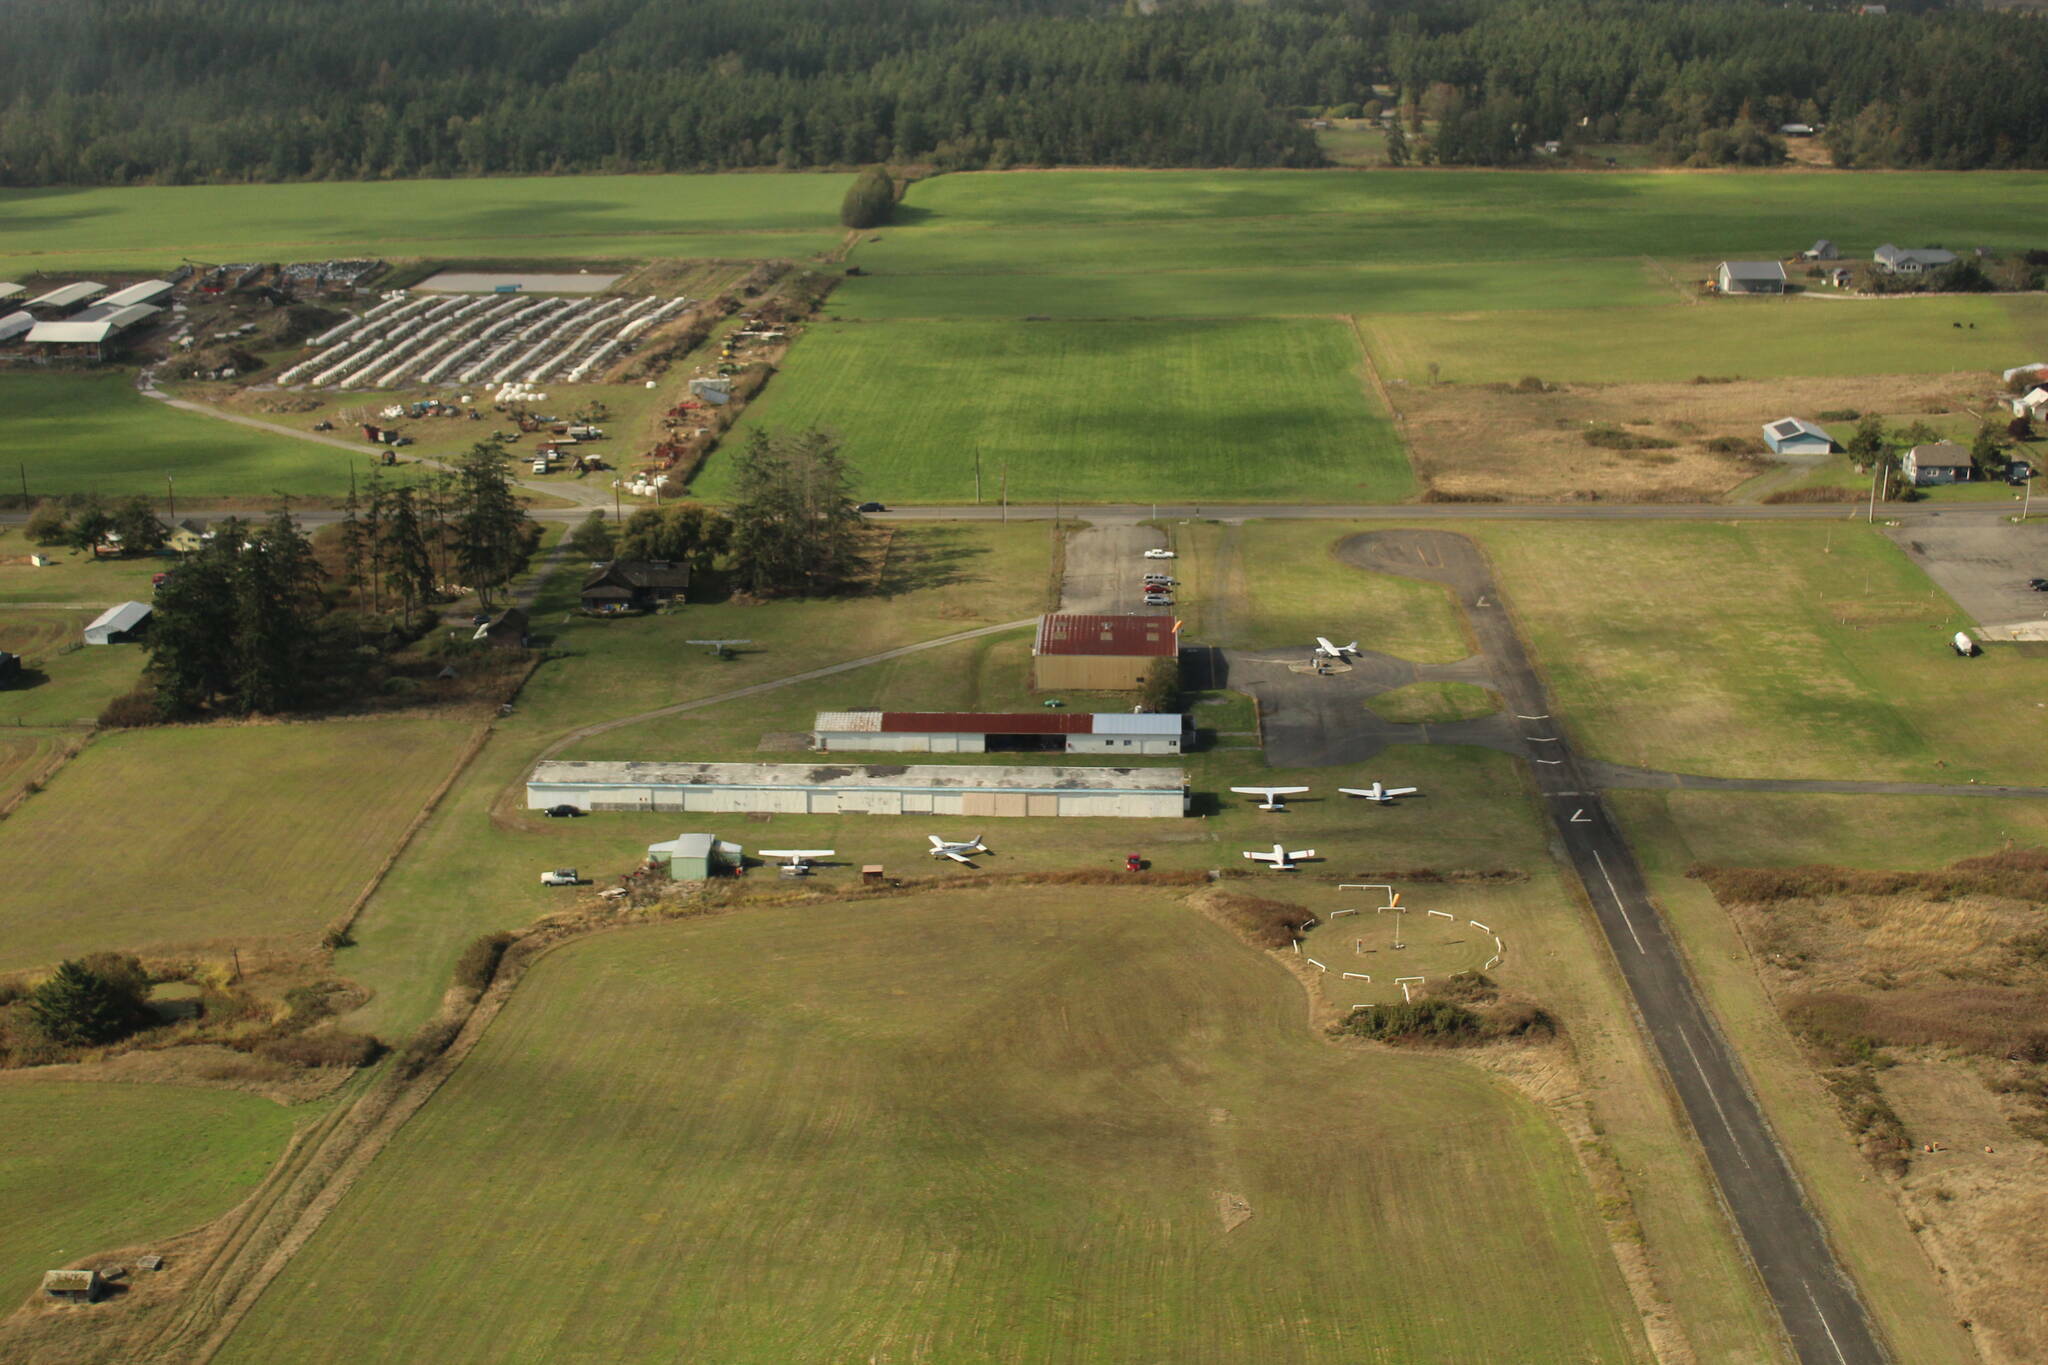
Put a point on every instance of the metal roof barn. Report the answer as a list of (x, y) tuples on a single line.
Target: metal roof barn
[(15, 325), (93, 330), (863, 789), (114, 622), (969, 732), (68, 295), (10, 290), (1100, 653), (149, 291)]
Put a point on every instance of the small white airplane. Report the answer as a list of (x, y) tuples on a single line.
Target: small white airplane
[(796, 862), (1280, 859), (1376, 792), (1330, 651), (960, 852), (1270, 796)]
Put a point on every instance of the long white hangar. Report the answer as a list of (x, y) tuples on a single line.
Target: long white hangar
[(861, 788)]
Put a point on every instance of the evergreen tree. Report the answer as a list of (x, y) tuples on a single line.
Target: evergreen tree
[(80, 1007), (90, 528), (490, 527), (794, 527), (1397, 144), (135, 521), (592, 538), (412, 566), (683, 531)]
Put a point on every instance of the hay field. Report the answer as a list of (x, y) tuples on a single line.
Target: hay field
[(1765, 650), (248, 836), (976, 1128), (1255, 411), (93, 433), (63, 689), (90, 1168), (537, 218)]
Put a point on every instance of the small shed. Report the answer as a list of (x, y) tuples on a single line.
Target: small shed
[(1750, 277), (10, 291), (2033, 403), (10, 668), (717, 392), (73, 1286), (1797, 436), (1822, 250), (695, 857), (1941, 462), (117, 624)]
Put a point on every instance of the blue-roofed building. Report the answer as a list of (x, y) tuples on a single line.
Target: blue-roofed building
[(1797, 436)]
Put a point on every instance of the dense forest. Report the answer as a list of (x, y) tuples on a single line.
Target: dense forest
[(170, 91)]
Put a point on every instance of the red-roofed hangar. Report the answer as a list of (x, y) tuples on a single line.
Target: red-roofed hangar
[(1100, 653)]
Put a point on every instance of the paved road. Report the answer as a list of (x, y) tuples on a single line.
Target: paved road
[(1817, 1304), (1449, 511)]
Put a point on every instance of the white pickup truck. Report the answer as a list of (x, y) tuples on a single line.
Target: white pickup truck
[(561, 876)]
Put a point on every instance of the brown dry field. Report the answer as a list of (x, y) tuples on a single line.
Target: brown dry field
[(1978, 1200), (1487, 442)]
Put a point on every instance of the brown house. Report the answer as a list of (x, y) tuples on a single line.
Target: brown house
[(1100, 653), (635, 585)]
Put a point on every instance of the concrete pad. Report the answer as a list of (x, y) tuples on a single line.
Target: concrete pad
[(1105, 569), (1984, 561)]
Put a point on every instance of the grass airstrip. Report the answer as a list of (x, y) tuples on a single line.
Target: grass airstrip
[(972, 1127)]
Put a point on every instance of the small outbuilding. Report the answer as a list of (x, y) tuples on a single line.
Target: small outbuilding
[(1100, 653), (1900, 260), (1822, 250), (635, 585), (509, 629), (118, 624), (1750, 277), (694, 857), (10, 669), (73, 1286), (2033, 403), (1941, 462), (1797, 436)]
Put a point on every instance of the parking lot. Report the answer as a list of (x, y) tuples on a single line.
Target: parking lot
[(1984, 562), (1106, 568)]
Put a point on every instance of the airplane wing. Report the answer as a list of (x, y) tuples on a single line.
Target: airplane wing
[(957, 857), (1324, 645), (1402, 791), (1269, 791), (937, 842), (1263, 857), (1304, 853)]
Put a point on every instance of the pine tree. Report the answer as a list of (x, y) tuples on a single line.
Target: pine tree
[(412, 566), (80, 1007), (793, 524), (491, 542)]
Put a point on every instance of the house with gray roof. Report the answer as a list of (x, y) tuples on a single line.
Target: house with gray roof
[(1797, 436), (1901, 260), (1940, 462), (1750, 277)]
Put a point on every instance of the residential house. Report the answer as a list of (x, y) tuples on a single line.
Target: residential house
[(1750, 277), (188, 537), (1912, 260), (1941, 462), (635, 585)]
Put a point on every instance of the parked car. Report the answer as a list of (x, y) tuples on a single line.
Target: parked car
[(1133, 863), (1159, 554), (871, 507), (1158, 599), (564, 812), (561, 876), (1163, 580)]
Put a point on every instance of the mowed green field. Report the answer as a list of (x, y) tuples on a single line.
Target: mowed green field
[(1766, 650), (988, 1127), (59, 687), (212, 836), (1718, 338), (93, 433), (93, 1168), (1096, 412), (1124, 221), (712, 216)]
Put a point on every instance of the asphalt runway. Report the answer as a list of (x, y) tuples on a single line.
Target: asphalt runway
[(1822, 1316)]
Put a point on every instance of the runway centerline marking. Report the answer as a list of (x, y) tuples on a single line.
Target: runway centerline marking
[(1712, 1094), (1625, 918), (1824, 1323)]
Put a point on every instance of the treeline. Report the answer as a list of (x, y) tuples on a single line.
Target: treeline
[(177, 91)]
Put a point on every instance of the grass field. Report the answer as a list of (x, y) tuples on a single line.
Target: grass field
[(92, 433), (74, 576), (1434, 703), (245, 835), (1271, 584), (527, 218), (1765, 650), (62, 688), (977, 1128), (89, 1168), (1721, 338), (1257, 411)]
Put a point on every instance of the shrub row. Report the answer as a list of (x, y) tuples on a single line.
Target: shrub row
[(2017, 874)]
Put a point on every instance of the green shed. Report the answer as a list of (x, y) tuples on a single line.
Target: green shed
[(695, 857)]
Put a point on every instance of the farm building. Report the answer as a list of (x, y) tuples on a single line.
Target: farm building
[(15, 325), (1941, 462), (73, 1286), (2033, 403), (65, 297), (635, 585), (1797, 436), (149, 291), (507, 630), (1822, 250), (694, 857), (1750, 277), (1840, 277), (858, 789), (1100, 653), (1911, 261), (116, 624), (969, 732), (92, 328)]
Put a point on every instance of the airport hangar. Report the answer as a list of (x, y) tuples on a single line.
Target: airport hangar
[(971, 732), (859, 789)]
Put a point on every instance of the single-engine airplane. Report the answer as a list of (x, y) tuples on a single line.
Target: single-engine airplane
[(1330, 651), (1280, 859), (796, 862), (960, 852), (1270, 797), (1377, 792)]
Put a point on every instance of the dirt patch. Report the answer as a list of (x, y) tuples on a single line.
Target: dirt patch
[(1501, 443), (1232, 1210), (204, 1066)]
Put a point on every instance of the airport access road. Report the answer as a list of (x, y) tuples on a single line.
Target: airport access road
[(1823, 1317)]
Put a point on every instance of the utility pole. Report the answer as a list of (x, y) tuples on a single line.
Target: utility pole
[(171, 493), (23, 467), (977, 476), (1005, 494), (1872, 517)]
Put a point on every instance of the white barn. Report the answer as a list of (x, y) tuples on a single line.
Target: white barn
[(858, 789)]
